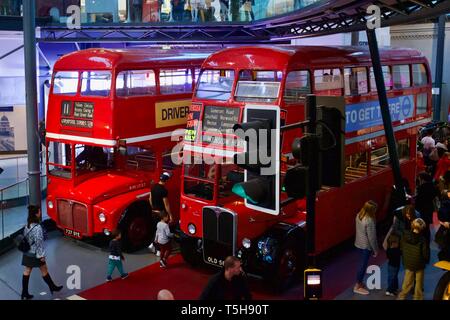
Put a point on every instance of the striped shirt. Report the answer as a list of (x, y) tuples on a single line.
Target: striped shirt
[(366, 235)]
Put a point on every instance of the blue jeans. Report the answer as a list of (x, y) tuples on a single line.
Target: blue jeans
[(365, 255), (115, 264), (392, 278)]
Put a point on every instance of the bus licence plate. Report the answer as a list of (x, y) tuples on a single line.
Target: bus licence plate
[(72, 233)]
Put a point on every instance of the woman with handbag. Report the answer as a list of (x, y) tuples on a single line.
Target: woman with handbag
[(35, 256)]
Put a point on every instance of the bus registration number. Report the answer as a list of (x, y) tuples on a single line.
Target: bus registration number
[(72, 233), (215, 261)]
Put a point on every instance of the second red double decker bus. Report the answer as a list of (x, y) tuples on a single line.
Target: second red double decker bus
[(216, 223), (110, 119)]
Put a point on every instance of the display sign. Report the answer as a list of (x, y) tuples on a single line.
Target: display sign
[(220, 119), (368, 114), (77, 123), (193, 119), (83, 110), (171, 113)]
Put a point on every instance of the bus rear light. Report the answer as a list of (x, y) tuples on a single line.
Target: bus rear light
[(50, 205), (192, 229)]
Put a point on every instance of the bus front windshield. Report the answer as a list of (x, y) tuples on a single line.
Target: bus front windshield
[(200, 179)]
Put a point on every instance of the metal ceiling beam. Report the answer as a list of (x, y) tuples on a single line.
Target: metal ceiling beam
[(322, 18)]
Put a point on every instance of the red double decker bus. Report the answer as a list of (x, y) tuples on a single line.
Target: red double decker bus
[(110, 117), (216, 223)]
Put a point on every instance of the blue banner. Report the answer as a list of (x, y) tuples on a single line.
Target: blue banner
[(368, 114)]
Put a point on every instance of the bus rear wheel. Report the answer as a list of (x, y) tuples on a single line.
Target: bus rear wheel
[(137, 231), (442, 291)]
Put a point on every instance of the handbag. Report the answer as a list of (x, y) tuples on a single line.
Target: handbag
[(442, 237), (22, 242)]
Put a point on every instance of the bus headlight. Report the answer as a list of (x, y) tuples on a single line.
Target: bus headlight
[(50, 205), (106, 232), (183, 206), (246, 243), (191, 228), (102, 217)]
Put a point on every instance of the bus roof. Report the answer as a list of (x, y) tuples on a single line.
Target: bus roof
[(124, 59), (294, 57)]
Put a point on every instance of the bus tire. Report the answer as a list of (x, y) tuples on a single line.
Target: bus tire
[(289, 266), (442, 291), (190, 253), (138, 228)]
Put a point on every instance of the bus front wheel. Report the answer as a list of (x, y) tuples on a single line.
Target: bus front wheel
[(191, 252), (137, 231), (289, 267), (442, 291)]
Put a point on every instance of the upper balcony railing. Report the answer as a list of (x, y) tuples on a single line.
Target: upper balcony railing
[(164, 12)]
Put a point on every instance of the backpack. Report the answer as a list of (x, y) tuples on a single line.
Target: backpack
[(22, 242)]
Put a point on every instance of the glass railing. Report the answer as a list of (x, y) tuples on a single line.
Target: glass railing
[(15, 169), (14, 193), (158, 11), (13, 206)]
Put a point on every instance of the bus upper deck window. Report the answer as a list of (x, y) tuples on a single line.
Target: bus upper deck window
[(65, 82), (355, 81), (215, 84), (387, 78), (298, 84), (401, 76), (328, 82), (175, 81), (420, 77), (96, 83), (135, 83)]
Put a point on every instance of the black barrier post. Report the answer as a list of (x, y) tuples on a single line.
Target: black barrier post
[(439, 68), (311, 196), (385, 113)]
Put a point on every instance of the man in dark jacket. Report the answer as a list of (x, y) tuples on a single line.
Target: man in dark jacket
[(229, 284), (415, 254), (444, 228), (426, 195)]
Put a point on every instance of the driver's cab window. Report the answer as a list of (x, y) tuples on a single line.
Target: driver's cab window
[(230, 175), (92, 158), (141, 159)]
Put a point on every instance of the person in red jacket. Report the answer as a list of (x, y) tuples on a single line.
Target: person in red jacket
[(442, 166)]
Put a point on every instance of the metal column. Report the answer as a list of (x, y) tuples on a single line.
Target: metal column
[(385, 113), (439, 69), (29, 34)]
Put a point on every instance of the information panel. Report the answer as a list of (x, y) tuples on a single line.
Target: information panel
[(83, 110), (220, 119)]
